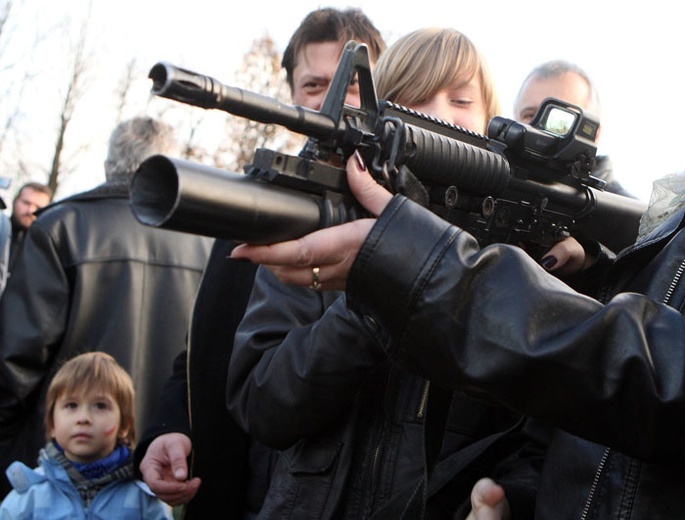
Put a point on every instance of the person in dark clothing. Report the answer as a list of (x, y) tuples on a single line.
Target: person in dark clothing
[(607, 371), (31, 197), (91, 277), (219, 447), (192, 417), (353, 428)]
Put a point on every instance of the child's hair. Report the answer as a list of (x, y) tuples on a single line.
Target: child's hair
[(95, 371), (423, 62)]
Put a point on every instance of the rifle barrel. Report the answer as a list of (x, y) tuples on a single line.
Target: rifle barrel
[(206, 92)]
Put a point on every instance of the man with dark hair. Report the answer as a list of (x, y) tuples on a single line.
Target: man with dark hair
[(90, 277), (312, 55), (31, 197), (192, 418)]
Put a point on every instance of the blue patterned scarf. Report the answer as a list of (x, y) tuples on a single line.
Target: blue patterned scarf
[(96, 469)]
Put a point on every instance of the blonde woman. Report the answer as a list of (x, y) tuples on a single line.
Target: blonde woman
[(440, 72), (309, 376)]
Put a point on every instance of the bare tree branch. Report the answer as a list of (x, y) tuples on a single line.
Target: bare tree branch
[(75, 87), (124, 87), (260, 72)]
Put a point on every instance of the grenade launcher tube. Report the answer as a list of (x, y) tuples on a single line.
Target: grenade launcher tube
[(184, 196)]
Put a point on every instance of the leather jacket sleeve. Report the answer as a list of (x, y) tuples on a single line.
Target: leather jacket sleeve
[(291, 374), (33, 316), (496, 323), (171, 415)]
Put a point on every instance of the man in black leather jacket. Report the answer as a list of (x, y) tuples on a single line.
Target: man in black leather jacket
[(192, 415), (608, 372), (90, 277)]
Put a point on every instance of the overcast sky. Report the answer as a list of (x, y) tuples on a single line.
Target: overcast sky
[(633, 53)]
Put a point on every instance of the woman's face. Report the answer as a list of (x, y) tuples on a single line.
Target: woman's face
[(461, 104)]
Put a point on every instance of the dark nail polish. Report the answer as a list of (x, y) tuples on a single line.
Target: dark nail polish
[(360, 160), (548, 262)]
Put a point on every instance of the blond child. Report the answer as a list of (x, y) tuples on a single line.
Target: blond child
[(85, 469)]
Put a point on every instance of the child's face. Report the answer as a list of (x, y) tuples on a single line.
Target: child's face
[(86, 425)]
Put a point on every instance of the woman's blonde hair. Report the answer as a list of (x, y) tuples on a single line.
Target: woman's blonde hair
[(425, 61), (90, 372)]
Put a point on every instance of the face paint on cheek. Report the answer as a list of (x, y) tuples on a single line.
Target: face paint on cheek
[(110, 431)]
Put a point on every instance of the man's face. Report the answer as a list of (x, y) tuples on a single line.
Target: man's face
[(316, 66), (25, 203), (569, 87)]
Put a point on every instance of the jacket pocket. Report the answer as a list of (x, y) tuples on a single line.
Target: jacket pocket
[(304, 484)]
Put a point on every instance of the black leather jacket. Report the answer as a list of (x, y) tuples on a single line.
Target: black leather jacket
[(197, 391), (308, 378), (90, 277), (607, 374)]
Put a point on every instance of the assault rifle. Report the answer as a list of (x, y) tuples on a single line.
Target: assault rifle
[(522, 184)]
